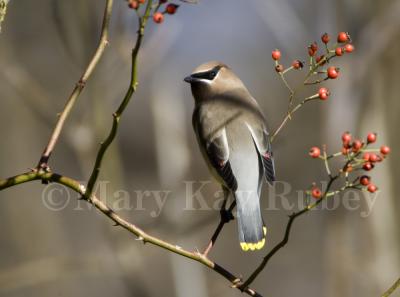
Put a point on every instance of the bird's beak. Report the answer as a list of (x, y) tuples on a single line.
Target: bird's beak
[(189, 79)]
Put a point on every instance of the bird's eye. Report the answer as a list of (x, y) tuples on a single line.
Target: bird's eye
[(213, 74)]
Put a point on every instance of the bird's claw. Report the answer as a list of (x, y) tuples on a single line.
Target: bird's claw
[(226, 215)]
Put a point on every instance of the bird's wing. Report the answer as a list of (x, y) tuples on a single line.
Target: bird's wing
[(215, 149), (263, 144)]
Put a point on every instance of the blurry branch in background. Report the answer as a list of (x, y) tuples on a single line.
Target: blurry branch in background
[(3, 11), (392, 289), (44, 159)]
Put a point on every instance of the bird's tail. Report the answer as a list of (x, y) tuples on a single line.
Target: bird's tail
[(251, 227)]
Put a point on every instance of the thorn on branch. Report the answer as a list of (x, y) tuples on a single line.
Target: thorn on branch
[(237, 283), (81, 84)]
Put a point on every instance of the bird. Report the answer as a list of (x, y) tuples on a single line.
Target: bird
[(233, 137)]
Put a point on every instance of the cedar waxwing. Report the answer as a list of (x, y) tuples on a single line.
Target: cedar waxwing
[(233, 138)]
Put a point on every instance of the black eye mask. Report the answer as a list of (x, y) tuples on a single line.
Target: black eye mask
[(210, 74)]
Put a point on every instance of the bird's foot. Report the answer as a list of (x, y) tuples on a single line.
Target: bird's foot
[(226, 215)]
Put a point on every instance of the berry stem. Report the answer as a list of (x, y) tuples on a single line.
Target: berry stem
[(287, 70), (326, 161), (318, 81)]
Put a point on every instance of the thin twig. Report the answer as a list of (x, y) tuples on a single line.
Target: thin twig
[(141, 235), (327, 193), (392, 288), (118, 113), (44, 159), (288, 116), (318, 81), (285, 239), (326, 161), (293, 92)]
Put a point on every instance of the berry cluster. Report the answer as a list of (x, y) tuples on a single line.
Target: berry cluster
[(358, 156), (158, 17), (317, 62)]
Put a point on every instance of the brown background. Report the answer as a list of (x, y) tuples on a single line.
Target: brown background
[(44, 47)]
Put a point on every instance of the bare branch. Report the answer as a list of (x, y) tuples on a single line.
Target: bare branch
[(118, 113), (119, 221), (285, 239), (392, 289), (44, 159)]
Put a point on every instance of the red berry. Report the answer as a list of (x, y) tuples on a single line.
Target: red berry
[(276, 54), (346, 137), (349, 48), (171, 8), (279, 68), (141, 1), (333, 72), (323, 93), (133, 4), (357, 145), (325, 38), (312, 49), (314, 152), (297, 64), (368, 166), (316, 193), (314, 46), (158, 17), (373, 158), (365, 180), (372, 188), (343, 37), (339, 51), (385, 150), (371, 137), (366, 156)]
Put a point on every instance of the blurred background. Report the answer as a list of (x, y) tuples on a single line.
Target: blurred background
[(75, 251)]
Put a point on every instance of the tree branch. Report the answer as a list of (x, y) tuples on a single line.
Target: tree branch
[(392, 289), (285, 239), (142, 235), (44, 159), (118, 113)]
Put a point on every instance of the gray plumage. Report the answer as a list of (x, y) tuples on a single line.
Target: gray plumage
[(232, 134)]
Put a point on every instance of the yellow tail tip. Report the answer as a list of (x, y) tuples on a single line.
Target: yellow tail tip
[(254, 246)]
